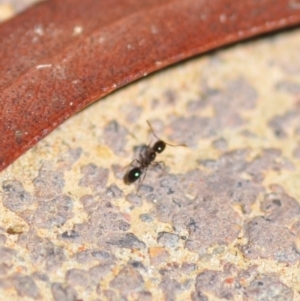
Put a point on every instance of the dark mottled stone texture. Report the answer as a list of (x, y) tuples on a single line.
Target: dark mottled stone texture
[(215, 282), (42, 251), (15, 197), (108, 226), (112, 296), (113, 191), (87, 256), (170, 288), (7, 255), (208, 218), (168, 239), (146, 218), (25, 286), (220, 144), (170, 96), (41, 276), (134, 199), (198, 296), (115, 137), (296, 152), (54, 212), (63, 293), (269, 288), (287, 123), (128, 240), (118, 171), (67, 159), (49, 183), (232, 282), (273, 236), (288, 87), (77, 277), (132, 112), (69, 235), (98, 272), (206, 209), (127, 281), (2, 239), (4, 270), (94, 177), (176, 278), (186, 129), (280, 208), (227, 105), (270, 240), (145, 296)]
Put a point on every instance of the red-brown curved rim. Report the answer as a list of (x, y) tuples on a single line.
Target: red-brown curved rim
[(60, 56)]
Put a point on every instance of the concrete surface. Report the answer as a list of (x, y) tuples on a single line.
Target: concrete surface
[(221, 222)]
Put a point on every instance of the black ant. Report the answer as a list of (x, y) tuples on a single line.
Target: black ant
[(146, 158)]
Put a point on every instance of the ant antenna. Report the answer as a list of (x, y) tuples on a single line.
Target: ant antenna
[(151, 128)]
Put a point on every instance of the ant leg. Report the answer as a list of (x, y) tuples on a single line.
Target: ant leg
[(159, 164), (141, 181), (162, 167), (135, 160), (142, 159)]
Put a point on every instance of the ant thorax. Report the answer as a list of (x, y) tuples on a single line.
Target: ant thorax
[(148, 157)]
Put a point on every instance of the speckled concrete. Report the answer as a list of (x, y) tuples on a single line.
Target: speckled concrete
[(221, 222)]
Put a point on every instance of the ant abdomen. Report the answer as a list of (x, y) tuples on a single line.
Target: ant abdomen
[(132, 175)]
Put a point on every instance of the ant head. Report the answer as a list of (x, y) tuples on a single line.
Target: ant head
[(132, 175), (159, 146)]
